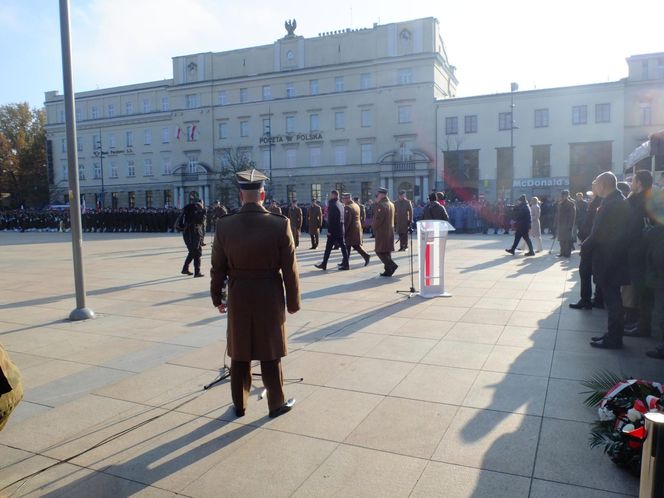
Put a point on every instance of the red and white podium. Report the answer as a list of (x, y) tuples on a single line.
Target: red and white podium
[(432, 238)]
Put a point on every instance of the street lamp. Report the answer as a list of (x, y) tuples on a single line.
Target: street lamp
[(100, 153), (514, 87)]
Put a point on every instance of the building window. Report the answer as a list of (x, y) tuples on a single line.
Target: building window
[(81, 172), (541, 118), (339, 120), (660, 68), (131, 199), (266, 126), (165, 135), (63, 145), (291, 193), (165, 104), (405, 76), (244, 128), (79, 144), (192, 133), (405, 114), (244, 95), (147, 167), (365, 191), (267, 92), (78, 114), (168, 198), (504, 120), (470, 124), (365, 118), (602, 113), (339, 84), (541, 161), (148, 198), (314, 156), (451, 125), (266, 158), (96, 171), (96, 142), (131, 169), (94, 112), (146, 106), (223, 130), (129, 108), (290, 90), (579, 114), (314, 122), (222, 97), (644, 70), (366, 153), (193, 164), (365, 81), (191, 101), (166, 168), (110, 110), (339, 187), (316, 191), (129, 139), (65, 169), (111, 141), (313, 87), (406, 149), (290, 124), (339, 155), (114, 200), (61, 114), (291, 158), (646, 113), (147, 136), (114, 170)]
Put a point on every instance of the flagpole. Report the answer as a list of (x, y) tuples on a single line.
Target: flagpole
[(81, 312)]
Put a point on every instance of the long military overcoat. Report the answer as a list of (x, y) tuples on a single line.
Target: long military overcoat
[(565, 218), (254, 249), (315, 217), (383, 226), (403, 215), (353, 229)]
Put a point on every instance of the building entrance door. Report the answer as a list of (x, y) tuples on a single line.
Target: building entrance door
[(408, 186)]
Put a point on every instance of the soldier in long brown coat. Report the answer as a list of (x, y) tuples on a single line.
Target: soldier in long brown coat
[(383, 229), (315, 220), (403, 209), (254, 249), (353, 228), (274, 208), (295, 217), (565, 220)]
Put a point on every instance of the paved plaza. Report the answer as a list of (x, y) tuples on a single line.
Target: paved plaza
[(476, 395)]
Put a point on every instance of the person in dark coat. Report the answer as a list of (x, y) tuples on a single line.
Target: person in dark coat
[(565, 219), (587, 301), (608, 244), (655, 280), (403, 217), (335, 231), (295, 217), (383, 228), (193, 219), (522, 223), (353, 228), (315, 221), (434, 210), (254, 250), (581, 211)]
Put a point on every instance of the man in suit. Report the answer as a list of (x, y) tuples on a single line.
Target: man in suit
[(254, 250), (353, 228), (315, 219), (335, 231), (383, 229), (295, 217), (608, 245), (434, 210), (403, 218), (522, 224)]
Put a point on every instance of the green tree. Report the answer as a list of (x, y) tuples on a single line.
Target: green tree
[(23, 174)]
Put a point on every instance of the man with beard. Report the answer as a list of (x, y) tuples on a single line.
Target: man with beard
[(335, 231), (193, 220), (383, 229), (353, 228)]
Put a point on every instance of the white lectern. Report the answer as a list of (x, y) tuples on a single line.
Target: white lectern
[(432, 238)]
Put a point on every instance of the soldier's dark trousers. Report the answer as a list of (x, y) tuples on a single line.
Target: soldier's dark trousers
[(403, 240), (272, 380), (614, 307), (566, 248), (386, 259), (517, 238), (193, 239), (296, 236), (331, 242), (586, 280), (359, 250), (315, 237)]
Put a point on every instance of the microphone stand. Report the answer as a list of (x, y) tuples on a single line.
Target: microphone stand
[(410, 292)]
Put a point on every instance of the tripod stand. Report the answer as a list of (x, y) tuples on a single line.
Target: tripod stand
[(410, 292)]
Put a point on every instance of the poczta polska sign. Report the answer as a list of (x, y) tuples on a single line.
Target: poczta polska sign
[(292, 138)]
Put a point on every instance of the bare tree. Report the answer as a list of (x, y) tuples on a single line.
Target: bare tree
[(233, 161)]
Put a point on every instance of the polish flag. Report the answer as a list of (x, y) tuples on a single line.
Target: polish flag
[(193, 133), (177, 133)]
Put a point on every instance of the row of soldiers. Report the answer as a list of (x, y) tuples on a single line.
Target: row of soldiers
[(22, 220)]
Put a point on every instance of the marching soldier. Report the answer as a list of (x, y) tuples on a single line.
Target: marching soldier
[(254, 249), (383, 228), (315, 219), (363, 212), (403, 218), (274, 208), (353, 228), (295, 217), (193, 219)]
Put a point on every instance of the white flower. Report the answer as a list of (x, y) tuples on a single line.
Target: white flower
[(628, 428), (605, 414), (634, 415)]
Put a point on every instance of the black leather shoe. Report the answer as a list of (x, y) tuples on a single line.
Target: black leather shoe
[(285, 408), (581, 305), (366, 260), (321, 266), (185, 271), (385, 274), (529, 253), (598, 305), (343, 268), (198, 275), (606, 344), (657, 353), (239, 412), (598, 338), (511, 251)]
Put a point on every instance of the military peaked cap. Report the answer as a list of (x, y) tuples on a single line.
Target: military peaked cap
[(250, 179), (382, 190)]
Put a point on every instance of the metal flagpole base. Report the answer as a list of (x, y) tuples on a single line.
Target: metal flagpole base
[(81, 314)]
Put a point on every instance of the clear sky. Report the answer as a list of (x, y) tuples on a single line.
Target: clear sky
[(539, 44)]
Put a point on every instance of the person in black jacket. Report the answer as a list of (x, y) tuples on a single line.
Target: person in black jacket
[(335, 231), (522, 222), (655, 280), (434, 210), (193, 219), (586, 264), (608, 244)]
